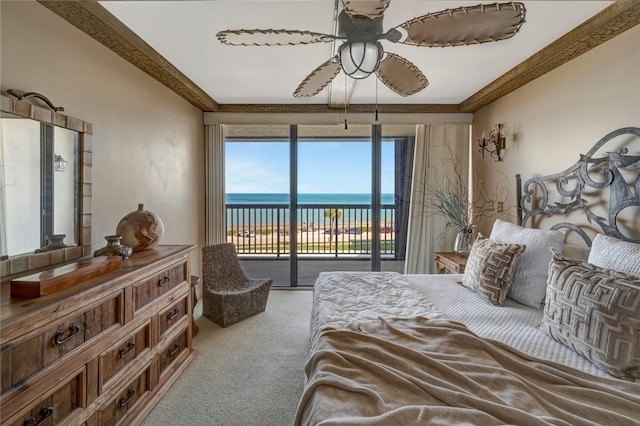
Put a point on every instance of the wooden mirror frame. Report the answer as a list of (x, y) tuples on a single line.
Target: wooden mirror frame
[(22, 263)]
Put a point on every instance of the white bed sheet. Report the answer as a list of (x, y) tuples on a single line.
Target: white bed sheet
[(511, 323)]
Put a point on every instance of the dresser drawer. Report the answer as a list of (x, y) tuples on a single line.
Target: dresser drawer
[(171, 352), (148, 290), (123, 353), (24, 357), (125, 402), (57, 405), (89, 355), (170, 316)]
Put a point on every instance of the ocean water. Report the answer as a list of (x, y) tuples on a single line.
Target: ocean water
[(260, 198), (356, 212)]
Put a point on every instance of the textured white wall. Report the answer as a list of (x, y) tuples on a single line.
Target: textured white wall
[(563, 113), (147, 141)]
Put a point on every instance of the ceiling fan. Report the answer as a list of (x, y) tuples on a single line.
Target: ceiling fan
[(361, 53)]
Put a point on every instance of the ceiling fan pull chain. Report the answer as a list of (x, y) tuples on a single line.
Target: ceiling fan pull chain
[(345, 102), (376, 112)]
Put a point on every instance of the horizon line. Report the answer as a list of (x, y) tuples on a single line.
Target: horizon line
[(286, 193)]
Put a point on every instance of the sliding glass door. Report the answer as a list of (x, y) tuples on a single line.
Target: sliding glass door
[(257, 199), (398, 142), (334, 200), (306, 199)]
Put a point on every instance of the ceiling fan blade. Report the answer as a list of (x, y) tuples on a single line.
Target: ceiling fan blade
[(318, 79), (368, 8), (270, 37), (400, 75), (465, 25)]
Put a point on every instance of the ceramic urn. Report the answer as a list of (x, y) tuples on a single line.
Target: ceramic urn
[(141, 229)]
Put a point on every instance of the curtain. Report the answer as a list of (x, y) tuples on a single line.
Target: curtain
[(215, 215), (434, 145), (403, 169)]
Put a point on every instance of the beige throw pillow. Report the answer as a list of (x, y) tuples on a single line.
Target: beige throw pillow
[(595, 312), (490, 267)]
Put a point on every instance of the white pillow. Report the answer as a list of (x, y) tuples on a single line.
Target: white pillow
[(529, 282), (572, 251), (612, 253)]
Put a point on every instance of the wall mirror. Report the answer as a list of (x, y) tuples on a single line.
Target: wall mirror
[(45, 187)]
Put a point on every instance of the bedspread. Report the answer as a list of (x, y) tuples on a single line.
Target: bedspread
[(342, 297), (407, 371)]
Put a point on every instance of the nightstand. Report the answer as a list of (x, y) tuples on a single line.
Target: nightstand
[(450, 261)]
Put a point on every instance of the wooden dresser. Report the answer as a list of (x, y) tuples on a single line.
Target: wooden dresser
[(102, 352)]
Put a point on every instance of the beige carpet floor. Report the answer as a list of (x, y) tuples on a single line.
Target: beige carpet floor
[(250, 373)]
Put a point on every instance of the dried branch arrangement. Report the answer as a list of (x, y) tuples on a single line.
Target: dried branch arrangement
[(447, 194)]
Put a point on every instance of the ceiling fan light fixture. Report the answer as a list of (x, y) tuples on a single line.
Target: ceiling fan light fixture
[(360, 59)]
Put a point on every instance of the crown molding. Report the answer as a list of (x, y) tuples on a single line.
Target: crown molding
[(94, 20), (335, 117), (610, 22), (353, 108)]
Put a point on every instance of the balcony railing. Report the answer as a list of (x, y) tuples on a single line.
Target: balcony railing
[(323, 229)]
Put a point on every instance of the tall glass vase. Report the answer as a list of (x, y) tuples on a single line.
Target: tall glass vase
[(464, 240)]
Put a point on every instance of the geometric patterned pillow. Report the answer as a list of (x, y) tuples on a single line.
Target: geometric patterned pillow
[(595, 312), (490, 267)]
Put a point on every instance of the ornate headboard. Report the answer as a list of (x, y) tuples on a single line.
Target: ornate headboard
[(578, 189)]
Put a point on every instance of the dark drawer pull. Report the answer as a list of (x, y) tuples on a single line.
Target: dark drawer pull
[(46, 412), (73, 329), (123, 352), (125, 399), (164, 281), (174, 350), (173, 314)]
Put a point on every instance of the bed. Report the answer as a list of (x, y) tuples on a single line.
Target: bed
[(536, 331)]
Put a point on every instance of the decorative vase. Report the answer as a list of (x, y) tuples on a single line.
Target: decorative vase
[(464, 240), (113, 248), (54, 242), (140, 230)]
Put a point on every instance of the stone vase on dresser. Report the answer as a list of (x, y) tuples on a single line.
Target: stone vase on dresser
[(54, 242), (141, 229), (114, 248)]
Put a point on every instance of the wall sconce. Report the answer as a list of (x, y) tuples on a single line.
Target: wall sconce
[(496, 138), (59, 163)]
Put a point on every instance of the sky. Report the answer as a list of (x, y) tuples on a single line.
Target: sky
[(323, 167)]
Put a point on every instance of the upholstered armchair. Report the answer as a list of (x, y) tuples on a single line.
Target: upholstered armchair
[(228, 295)]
